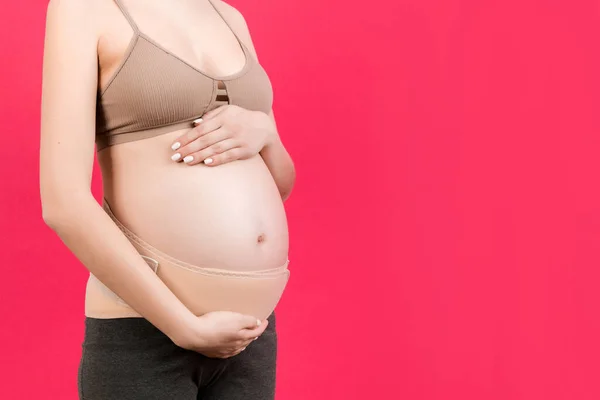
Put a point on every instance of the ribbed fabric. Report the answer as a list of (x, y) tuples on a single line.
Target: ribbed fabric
[(154, 91)]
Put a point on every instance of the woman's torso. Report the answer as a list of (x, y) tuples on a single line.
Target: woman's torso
[(229, 216)]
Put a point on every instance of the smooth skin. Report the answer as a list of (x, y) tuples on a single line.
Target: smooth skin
[(69, 89)]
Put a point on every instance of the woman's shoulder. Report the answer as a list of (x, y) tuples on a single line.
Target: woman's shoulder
[(74, 8), (75, 16)]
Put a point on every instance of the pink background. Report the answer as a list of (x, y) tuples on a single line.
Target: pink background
[(445, 225)]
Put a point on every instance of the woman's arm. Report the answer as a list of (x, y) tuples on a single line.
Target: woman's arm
[(280, 163), (276, 157), (66, 161)]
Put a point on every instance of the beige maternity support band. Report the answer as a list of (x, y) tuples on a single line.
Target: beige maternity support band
[(202, 290)]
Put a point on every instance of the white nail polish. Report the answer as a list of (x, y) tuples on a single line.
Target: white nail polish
[(208, 161), (197, 121), (176, 145), (188, 159), (175, 156)]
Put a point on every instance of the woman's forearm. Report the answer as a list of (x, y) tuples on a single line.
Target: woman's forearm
[(281, 166), (100, 245), (68, 115), (279, 162)]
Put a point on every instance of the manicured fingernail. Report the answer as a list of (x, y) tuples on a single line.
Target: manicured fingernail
[(197, 121), (258, 322), (175, 156), (208, 161), (188, 159), (256, 338), (176, 145)]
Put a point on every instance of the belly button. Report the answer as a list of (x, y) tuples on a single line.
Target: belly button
[(261, 238)]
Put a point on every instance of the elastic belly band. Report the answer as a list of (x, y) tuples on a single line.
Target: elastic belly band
[(202, 290)]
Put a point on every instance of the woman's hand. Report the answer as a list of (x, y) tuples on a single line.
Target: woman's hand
[(222, 334), (225, 134)]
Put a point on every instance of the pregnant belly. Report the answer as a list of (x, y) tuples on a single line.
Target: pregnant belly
[(229, 216)]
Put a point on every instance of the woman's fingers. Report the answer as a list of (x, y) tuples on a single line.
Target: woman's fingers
[(252, 333), (246, 343), (247, 322), (231, 350), (214, 154), (200, 129), (202, 142), (233, 154), (230, 333), (238, 352)]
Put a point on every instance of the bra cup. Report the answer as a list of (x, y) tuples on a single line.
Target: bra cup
[(153, 89)]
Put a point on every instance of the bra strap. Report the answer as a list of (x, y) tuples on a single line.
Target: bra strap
[(126, 14)]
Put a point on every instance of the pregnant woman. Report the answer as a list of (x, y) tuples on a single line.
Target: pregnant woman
[(188, 253)]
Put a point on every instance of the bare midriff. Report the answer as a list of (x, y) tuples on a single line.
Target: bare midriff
[(229, 217)]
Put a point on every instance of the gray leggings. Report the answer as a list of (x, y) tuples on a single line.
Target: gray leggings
[(130, 359)]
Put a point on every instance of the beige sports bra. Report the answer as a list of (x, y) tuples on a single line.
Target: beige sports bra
[(153, 91)]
